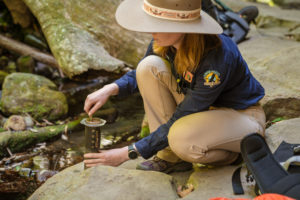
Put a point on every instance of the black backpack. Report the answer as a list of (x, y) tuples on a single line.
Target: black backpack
[(235, 24), (266, 170)]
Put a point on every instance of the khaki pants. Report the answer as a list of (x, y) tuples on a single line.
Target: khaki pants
[(209, 137)]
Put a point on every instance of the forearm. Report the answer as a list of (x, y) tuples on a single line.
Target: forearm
[(127, 84), (112, 89)]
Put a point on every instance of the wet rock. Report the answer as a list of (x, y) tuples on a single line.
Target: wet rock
[(286, 130), (120, 130), (44, 70), (25, 64), (27, 172), (16, 123), (62, 163), (77, 31), (28, 121), (102, 182), (72, 157), (33, 94), (43, 175), (41, 162), (19, 11), (106, 142)]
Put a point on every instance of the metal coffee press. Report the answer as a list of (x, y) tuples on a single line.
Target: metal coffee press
[(92, 134)]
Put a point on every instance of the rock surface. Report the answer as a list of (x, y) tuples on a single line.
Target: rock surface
[(287, 130), (273, 57), (275, 63), (272, 21), (16, 123), (216, 182), (25, 64), (19, 11), (32, 94), (107, 183), (75, 31), (114, 183)]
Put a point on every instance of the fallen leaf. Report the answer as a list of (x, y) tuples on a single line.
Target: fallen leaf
[(183, 191)]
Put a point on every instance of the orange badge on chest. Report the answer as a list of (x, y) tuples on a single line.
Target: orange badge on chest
[(188, 76)]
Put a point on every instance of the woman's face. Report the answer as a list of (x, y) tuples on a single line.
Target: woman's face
[(168, 39)]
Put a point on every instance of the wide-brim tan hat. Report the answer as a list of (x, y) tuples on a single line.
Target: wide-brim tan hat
[(169, 16)]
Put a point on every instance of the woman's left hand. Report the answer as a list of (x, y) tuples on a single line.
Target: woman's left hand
[(112, 157)]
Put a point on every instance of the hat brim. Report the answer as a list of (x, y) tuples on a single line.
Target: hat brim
[(130, 15)]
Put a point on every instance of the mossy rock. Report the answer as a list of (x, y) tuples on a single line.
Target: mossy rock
[(84, 35), (11, 67), (25, 64), (3, 74), (32, 94)]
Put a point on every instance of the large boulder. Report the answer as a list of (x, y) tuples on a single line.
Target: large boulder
[(32, 94), (273, 56), (78, 31), (286, 130), (275, 63), (106, 183)]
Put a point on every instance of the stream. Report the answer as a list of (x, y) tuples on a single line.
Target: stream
[(22, 173)]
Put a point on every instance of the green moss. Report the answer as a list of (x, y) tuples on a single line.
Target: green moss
[(25, 64), (36, 95), (11, 67), (3, 74)]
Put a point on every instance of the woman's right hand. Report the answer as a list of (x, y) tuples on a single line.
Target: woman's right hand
[(97, 99)]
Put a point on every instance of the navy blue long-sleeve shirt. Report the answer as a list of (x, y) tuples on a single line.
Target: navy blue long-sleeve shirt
[(222, 79)]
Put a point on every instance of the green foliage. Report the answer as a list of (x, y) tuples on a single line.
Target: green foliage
[(145, 131), (278, 119)]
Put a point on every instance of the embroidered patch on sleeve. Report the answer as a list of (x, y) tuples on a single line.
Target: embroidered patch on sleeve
[(211, 78)]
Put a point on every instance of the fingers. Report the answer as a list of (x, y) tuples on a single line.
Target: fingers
[(95, 108), (94, 101), (87, 104), (91, 165), (93, 161), (92, 155), (92, 105)]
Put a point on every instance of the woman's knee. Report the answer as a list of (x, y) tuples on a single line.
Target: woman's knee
[(179, 138), (151, 65)]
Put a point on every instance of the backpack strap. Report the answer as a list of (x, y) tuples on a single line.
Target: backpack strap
[(236, 182)]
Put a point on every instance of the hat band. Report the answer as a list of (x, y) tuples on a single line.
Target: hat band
[(169, 14)]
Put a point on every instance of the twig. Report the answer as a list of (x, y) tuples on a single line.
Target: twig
[(9, 151), (47, 122)]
